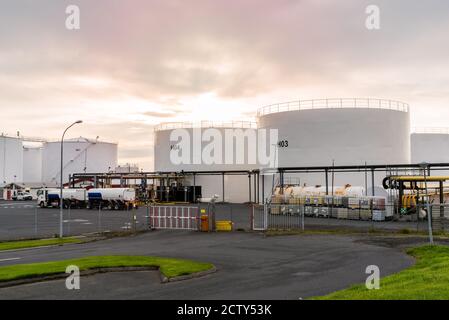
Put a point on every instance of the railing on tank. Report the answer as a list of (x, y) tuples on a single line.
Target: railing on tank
[(206, 124), (436, 130), (334, 104)]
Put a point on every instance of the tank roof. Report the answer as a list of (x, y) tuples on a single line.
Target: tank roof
[(205, 124), (430, 130), (334, 103)]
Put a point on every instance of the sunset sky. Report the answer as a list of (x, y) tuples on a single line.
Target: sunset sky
[(135, 63)]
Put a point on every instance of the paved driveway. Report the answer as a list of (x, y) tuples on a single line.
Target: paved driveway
[(250, 266)]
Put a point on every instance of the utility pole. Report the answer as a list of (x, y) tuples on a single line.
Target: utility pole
[(61, 186)]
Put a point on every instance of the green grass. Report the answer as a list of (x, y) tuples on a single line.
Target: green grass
[(13, 245), (427, 279), (354, 231), (167, 266)]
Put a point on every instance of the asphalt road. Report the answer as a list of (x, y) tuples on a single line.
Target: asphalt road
[(250, 266)]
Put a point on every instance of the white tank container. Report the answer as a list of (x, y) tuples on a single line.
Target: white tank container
[(80, 155), (346, 131), (113, 194), (68, 194), (32, 165), (11, 160), (430, 145), (164, 146), (236, 186)]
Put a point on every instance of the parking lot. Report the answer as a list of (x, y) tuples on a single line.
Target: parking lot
[(24, 219)]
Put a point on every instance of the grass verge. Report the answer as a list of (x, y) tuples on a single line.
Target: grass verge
[(343, 231), (167, 266), (428, 279), (21, 244)]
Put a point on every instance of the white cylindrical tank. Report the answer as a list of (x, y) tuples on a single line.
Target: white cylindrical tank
[(109, 194), (192, 148), (346, 131), (32, 164), (80, 155), (11, 160), (430, 145), (240, 154)]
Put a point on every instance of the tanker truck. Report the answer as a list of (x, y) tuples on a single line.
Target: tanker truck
[(72, 198), (111, 198)]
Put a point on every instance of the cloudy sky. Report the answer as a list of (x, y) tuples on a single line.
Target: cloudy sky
[(135, 63)]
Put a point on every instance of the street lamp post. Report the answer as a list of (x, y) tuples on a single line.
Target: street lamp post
[(61, 186), (429, 214)]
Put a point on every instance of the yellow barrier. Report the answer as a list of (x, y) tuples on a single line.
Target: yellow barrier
[(224, 225)]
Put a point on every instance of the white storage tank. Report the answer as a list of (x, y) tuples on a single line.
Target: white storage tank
[(236, 186), (32, 164), (430, 145), (11, 160), (346, 131), (80, 155)]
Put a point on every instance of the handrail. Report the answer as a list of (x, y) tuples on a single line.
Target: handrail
[(205, 124), (334, 103), (430, 130)]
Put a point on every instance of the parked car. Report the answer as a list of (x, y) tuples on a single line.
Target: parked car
[(22, 196)]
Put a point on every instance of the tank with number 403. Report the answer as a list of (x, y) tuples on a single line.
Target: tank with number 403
[(112, 198)]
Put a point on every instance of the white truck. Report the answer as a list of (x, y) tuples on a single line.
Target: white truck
[(112, 198), (22, 196), (72, 198)]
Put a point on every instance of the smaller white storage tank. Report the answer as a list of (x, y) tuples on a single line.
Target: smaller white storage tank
[(195, 142), (430, 145), (80, 155), (11, 160), (32, 164)]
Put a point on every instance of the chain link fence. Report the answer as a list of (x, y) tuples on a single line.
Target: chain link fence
[(27, 221), (302, 217)]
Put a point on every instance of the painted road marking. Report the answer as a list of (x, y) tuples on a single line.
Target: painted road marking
[(76, 220), (9, 259)]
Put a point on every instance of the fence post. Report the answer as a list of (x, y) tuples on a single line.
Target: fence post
[(251, 217), (35, 221), (99, 218), (134, 213), (68, 220), (148, 215), (301, 208)]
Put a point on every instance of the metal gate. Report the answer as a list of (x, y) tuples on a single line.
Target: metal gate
[(276, 216), (259, 218), (174, 217)]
